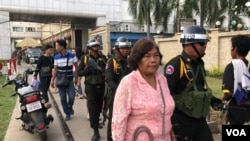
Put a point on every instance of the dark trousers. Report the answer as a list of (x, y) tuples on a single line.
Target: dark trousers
[(95, 95), (110, 102), (190, 129), (109, 131), (238, 114), (44, 87)]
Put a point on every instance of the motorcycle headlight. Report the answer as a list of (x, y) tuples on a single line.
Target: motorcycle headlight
[(29, 55)]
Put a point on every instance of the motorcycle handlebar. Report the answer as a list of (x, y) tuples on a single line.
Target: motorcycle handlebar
[(26, 73), (4, 85), (7, 83), (30, 71)]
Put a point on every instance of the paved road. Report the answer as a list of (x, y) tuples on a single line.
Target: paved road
[(78, 125)]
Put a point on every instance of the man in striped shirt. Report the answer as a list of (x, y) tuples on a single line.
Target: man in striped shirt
[(63, 63)]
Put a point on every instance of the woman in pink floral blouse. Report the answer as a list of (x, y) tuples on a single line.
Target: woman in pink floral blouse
[(142, 99)]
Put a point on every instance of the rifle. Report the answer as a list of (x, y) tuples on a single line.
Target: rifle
[(92, 64), (105, 106)]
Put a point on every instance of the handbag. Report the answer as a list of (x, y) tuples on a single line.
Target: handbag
[(45, 71), (61, 78), (141, 129)]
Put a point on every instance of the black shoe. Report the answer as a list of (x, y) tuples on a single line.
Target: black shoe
[(100, 125), (67, 118), (49, 119), (95, 137), (72, 112)]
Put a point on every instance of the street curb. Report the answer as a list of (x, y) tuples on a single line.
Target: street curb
[(68, 136)]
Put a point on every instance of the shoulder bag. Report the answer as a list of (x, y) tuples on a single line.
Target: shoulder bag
[(45, 71), (194, 103), (61, 78)]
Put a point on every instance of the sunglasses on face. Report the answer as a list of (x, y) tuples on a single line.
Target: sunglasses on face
[(202, 43)]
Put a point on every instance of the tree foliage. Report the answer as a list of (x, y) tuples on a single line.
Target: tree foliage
[(159, 12), (144, 11), (216, 10)]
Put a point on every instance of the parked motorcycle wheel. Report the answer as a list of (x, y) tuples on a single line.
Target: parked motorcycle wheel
[(38, 119), (43, 136)]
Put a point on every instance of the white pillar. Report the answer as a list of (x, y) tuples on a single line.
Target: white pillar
[(5, 45)]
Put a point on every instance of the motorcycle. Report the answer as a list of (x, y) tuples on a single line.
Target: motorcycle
[(32, 106)]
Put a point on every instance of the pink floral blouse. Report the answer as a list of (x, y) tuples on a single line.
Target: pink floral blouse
[(137, 103)]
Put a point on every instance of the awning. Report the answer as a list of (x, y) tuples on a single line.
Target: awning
[(132, 37), (28, 42)]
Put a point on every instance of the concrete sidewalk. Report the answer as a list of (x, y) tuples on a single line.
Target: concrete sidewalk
[(79, 125), (15, 134)]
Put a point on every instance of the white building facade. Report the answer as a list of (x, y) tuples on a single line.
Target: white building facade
[(103, 11)]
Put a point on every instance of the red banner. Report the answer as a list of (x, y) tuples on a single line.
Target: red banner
[(12, 68)]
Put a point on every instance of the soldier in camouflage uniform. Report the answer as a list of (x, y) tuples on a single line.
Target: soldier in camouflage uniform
[(116, 69), (92, 67)]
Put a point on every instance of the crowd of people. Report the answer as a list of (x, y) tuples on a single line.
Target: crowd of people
[(140, 102)]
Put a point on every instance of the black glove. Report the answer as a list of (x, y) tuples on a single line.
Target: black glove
[(216, 103), (215, 100), (85, 72)]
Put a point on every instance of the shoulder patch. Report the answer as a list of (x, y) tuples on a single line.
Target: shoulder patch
[(169, 70)]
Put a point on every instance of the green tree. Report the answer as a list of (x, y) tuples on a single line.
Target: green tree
[(237, 11), (209, 11), (216, 10), (184, 9), (168, 6), (144, 10)]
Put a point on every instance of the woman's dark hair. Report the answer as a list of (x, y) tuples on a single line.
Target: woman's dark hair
[(62, 43), (242, 43), (140, 48)]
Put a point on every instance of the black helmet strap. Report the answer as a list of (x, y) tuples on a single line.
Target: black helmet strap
[(118, 51), (196, 50), (94, 50)]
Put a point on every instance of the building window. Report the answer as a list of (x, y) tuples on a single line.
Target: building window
[(30, 29), (17, 29)]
